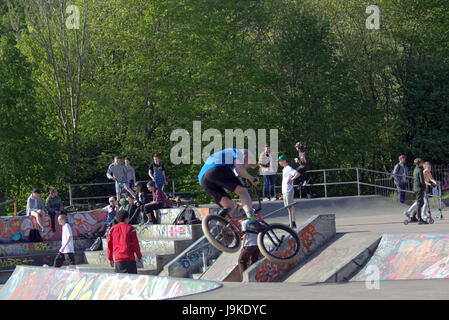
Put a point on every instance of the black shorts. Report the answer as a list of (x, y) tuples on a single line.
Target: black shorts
[(126, 267), (301, 170), (217, 179)]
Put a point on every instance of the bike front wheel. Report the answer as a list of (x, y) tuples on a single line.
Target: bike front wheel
[(221, 233), (279, 243)]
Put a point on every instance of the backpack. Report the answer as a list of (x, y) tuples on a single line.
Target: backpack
[(97, 245), (187, 216), (35, 236)]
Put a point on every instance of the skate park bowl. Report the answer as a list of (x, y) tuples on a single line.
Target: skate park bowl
[(46, 283)]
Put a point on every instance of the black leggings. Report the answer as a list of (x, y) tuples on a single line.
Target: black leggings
[(61, 257), (149, 209)]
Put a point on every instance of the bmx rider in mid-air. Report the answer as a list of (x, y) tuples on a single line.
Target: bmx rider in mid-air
[(217, 174)]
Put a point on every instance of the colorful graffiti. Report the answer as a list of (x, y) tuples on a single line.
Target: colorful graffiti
[(410, 256), (37, 283), (168, 216), (191, 260), (161, 231), (316, 231), (17, 229)]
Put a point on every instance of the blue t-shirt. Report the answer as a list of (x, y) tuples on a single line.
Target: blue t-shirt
[(225, 157)]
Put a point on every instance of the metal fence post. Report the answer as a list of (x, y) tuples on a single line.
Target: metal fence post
[(325, 184), (70, 195), (173, 187), (358, 182)]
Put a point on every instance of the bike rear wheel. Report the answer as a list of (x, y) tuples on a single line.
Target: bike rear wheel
[(221, 233), (279, 244)]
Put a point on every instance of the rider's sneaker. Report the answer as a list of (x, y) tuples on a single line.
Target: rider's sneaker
[(413, 219), (424, 217), (421, 221), (265, 199), (273, 199)]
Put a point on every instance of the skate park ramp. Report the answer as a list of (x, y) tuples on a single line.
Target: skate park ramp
[(337, 261), (39, 283), (408, 256)]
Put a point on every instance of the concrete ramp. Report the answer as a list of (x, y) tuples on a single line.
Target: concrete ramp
[(338, 260), (315, 232), (408, 257), (225, 268), (38, 283)]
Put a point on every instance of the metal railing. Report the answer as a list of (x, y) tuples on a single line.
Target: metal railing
[(379, 182), (14, 201)]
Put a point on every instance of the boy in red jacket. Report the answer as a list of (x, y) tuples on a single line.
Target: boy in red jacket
[(122, 245)]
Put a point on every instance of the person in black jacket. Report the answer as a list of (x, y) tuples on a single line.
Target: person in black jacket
[(54, 207), (137, 207)]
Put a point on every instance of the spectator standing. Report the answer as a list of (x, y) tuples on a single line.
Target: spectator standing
[(399, 175), (123, 245), (428, 179), (54, 207), (117, 172), (156, 172), (288, 192), (130, 174), (67, 250), (268, 169), (303, 161), (35, 208), (419, 186)]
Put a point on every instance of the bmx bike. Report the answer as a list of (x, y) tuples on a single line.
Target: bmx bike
[(224, 232)]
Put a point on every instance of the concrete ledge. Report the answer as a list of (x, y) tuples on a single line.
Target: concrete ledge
[(169, 232), (315, 232), (10, 263), (168, 215), (29, 248), (17, 229)]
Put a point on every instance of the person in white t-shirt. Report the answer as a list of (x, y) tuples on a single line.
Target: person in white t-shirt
[(288, 192), (250, 251), (67, 250)]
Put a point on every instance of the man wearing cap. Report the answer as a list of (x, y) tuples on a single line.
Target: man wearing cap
[(35, 207), (268, 170), (111, 209), (288, 192), (303, 161), (400, 177)]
